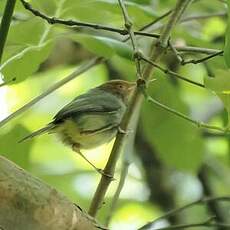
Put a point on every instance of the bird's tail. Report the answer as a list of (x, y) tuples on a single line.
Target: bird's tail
[(47, 128)]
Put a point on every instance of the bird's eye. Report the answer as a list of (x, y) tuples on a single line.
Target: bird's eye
[(120, 86)]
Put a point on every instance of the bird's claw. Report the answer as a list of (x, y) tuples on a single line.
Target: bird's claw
[(122, 131), (105, 174)]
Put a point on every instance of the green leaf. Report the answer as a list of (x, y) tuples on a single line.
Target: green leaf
[(227, 39), (221, 86), (106, 12), (177, 142), (28, 45), (25, 62), (10, 148), (103, 46), (48, 7), (26, 32)]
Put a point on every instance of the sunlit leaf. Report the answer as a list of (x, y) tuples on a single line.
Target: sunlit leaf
[(25, 62)]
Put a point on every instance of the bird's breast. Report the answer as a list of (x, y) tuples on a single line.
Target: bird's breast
[(88, 134)]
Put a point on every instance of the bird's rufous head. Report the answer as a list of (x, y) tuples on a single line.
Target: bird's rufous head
[(120, 88)]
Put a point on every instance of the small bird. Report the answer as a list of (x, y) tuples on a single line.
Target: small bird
[(92, 118)]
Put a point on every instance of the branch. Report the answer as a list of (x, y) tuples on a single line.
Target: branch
[(57, 85), (176, 14), (182, 208), (29, 203), (156, 20), (202, 59), (55, 20), (128, 26), (197, 17), (199, 124), (133, 110), (118, 147), (206, 223), (194, 49), (175, 52), (5, 24), (213, 207), (171, 73), (124, 173), (151, 24)]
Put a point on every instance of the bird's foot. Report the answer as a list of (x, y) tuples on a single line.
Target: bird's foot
[(101, 171), (122, 131)]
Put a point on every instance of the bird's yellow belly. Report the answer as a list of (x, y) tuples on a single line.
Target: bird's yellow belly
[(70, 134)]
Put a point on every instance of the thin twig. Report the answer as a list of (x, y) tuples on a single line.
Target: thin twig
[(156, 20), (194, 49), (53, 20), (171, 73), (151, 24), (128, 26), (213, 207), (72, 23), (5, 24), (196, 17), (182, 208), (176, 53), (152, 35), (202, 59), (54, 87), (199, 124), (207, 223)]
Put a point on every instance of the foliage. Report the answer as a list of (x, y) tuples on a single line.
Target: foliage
[(38, 54)]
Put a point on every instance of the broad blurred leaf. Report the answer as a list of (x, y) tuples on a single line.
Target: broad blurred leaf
[(221, 86), (103, 46), (177, 142), (9, 146), (227, 39)]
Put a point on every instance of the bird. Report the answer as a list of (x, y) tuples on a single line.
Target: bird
[(91, 119)]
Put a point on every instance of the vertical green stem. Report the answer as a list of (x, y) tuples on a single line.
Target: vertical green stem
[(5, 24), (134, 108)]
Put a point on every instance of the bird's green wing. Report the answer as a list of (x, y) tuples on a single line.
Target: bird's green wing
[(95, 123), (93, 131), (94, 104)]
